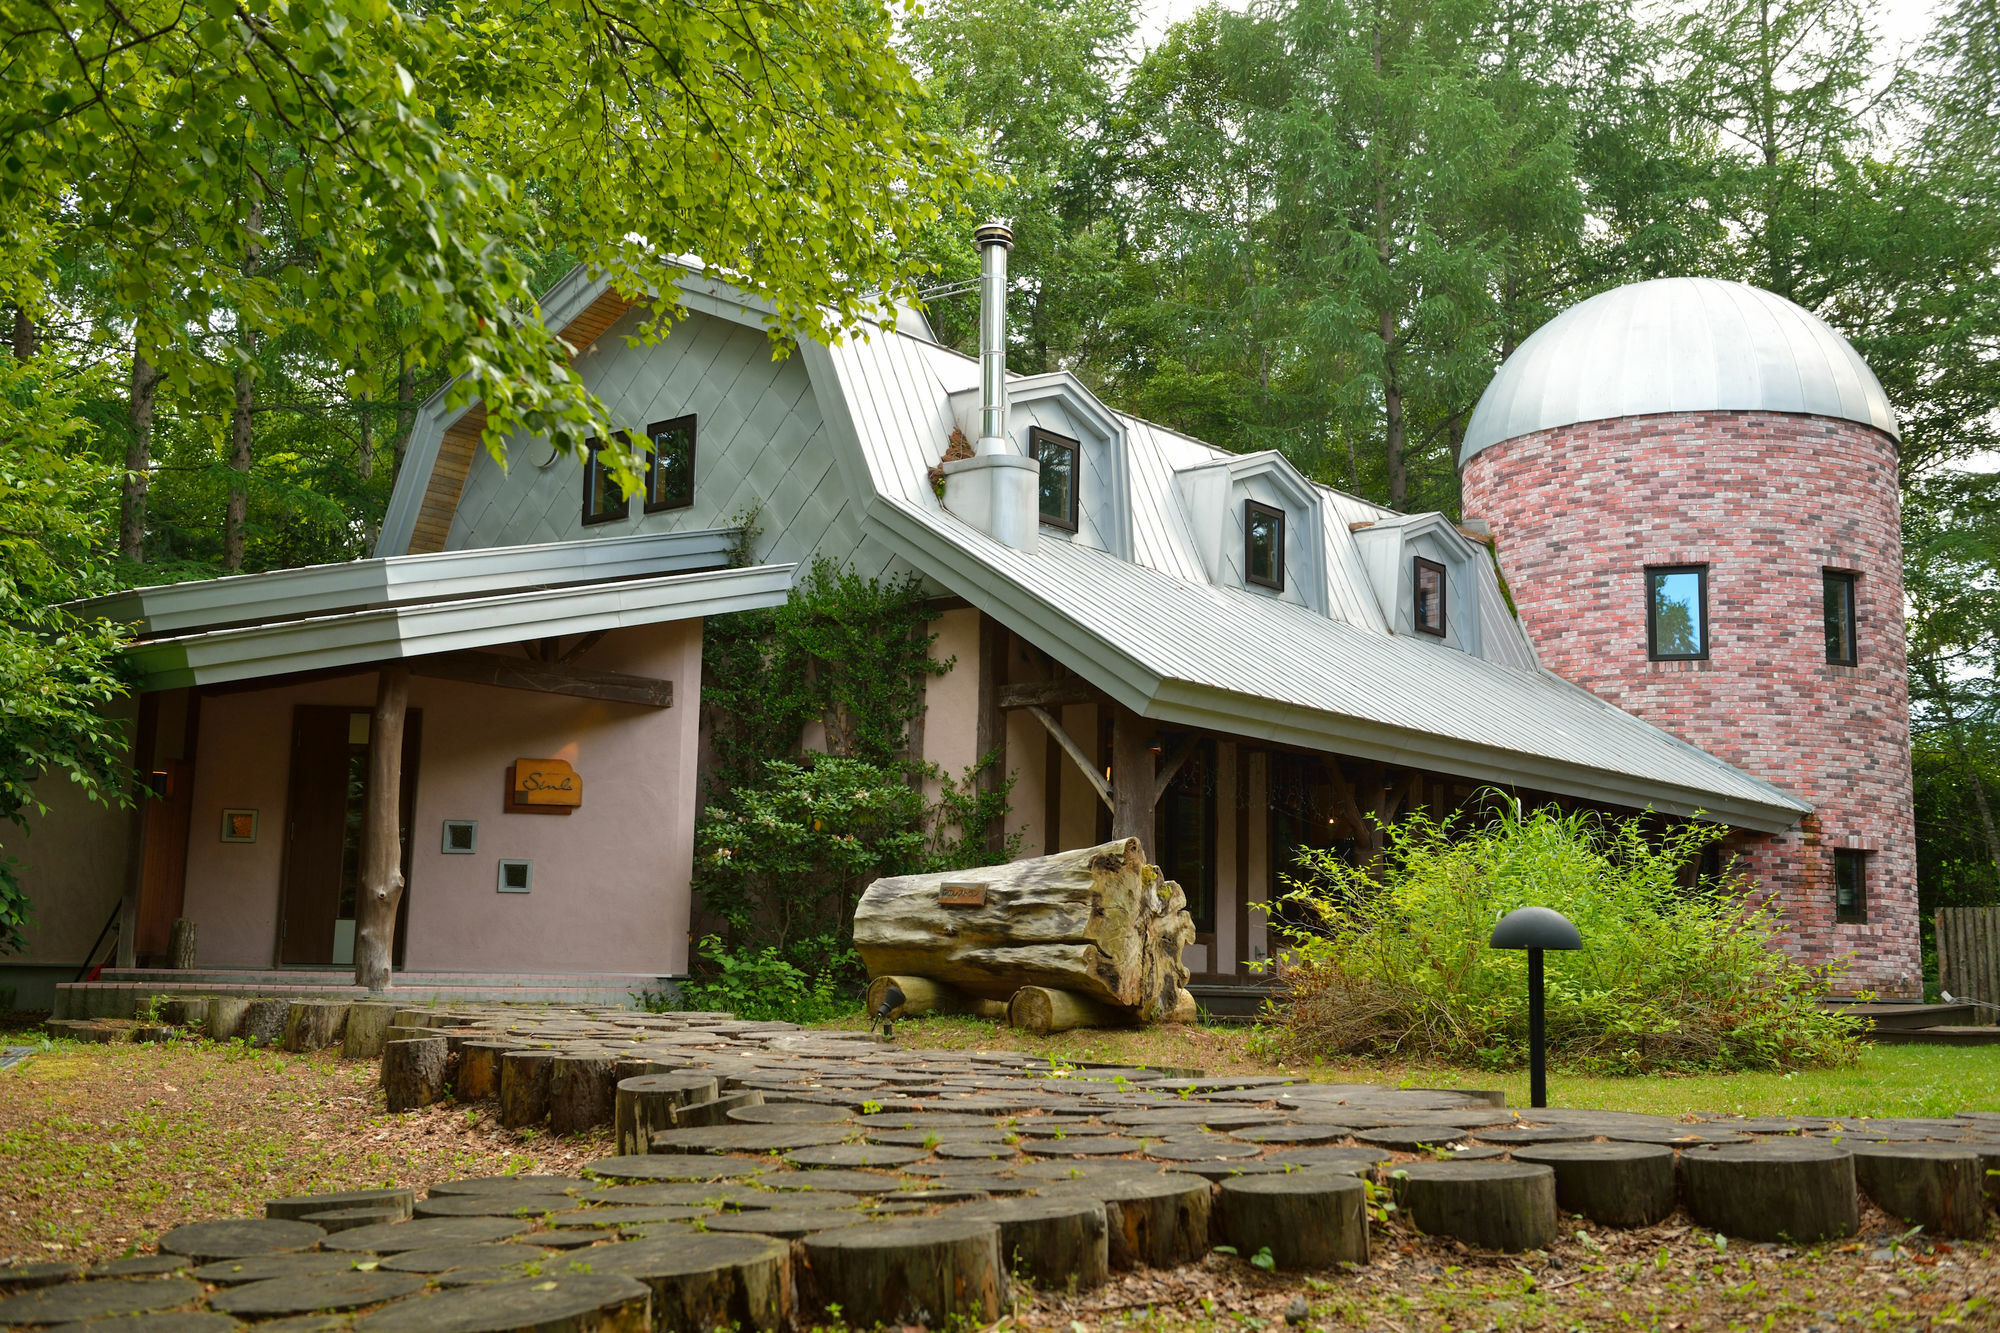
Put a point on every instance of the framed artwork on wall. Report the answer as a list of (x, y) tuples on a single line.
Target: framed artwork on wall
[(239, 826)]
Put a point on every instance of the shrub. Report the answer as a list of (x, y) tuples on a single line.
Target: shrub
[(758, 985), (1394, 959)]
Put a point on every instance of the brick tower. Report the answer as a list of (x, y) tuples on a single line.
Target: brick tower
[(1693, 489)]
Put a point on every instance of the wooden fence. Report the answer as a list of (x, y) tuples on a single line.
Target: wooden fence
[(1968, 945)]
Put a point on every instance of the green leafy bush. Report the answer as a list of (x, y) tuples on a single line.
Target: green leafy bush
[(758, 984), (1395, 960)]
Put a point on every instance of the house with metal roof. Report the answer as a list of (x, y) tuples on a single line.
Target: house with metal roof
[(1206, 650)]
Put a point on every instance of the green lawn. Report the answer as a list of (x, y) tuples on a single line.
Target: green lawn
[(1885, 1081)]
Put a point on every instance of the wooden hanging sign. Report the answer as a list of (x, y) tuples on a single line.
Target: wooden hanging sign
[(961, 895), (543, 786)]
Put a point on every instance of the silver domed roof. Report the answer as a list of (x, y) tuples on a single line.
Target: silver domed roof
[(1677, 345)]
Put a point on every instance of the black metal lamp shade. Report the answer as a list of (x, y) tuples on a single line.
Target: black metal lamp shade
[(1535, 928)]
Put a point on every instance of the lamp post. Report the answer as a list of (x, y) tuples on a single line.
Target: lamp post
[(1536, 929)]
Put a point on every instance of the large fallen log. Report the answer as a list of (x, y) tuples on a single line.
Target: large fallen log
[(1097, 922)]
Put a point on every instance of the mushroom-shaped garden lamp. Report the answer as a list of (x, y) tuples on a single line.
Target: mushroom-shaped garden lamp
[(1536, 929)]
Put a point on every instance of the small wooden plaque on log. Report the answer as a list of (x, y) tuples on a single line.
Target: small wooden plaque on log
[(961, 895)]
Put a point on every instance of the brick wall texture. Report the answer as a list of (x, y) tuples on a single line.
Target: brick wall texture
[(1767, 501)]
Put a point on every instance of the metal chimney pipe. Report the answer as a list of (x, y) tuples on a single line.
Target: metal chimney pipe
[(995, 239)]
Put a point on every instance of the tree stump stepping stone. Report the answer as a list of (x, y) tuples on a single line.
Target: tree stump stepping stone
[(444, 1258), (1356, 1161), (828, 1178), (1800, 1190), (630, 1196), (926, 1120), (1528, 1137), (1084, 1168), (1058, 1242), (1940, 1187), (173, 1321), (642, 1106), (715, 1111), (307, 1323), (788, 1113), (783, 1223), (524, 1088), (1108, 1146), (1678, 1136), (1201, 1150), (524, 1183), (264, 1267), (263, 1022), (240, 1237), (1306, 1219), (569, 1303), (655, 1167), (314, 1025), (499, 1203), (618, 1217), (395, 1237), (855, 1155), (1411, 1138), (748, 1138), (478, 1075), (70, 1302), (46, 1273), (703, 1282), (564, 1240), (756, 1199), (1614, 1184), (1308, 1135), (1044, 1127), (976, 1150), (949, 1135), (1227, 1170), (307, 1295), (583, 1087), (138, 1265), (1156, 1221), (936, 1272), (1494, 1205), (297, 1206), (413, 1073)]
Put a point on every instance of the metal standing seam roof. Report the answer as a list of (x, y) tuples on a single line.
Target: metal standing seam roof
[(1677, 345)]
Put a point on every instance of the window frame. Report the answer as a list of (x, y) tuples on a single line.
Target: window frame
[(592, 472), (1418, 564), (1653, 653), (1850, 582), (1856, 915), (1252, 510), (655, 505), (1039, 436), (1201, 763)]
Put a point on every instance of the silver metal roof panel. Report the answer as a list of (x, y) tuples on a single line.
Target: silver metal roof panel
[(1677, 345)]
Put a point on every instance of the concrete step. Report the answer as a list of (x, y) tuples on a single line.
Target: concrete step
[(118, 994), (1892, 1015), (1226, 1003), (1939, 1036)]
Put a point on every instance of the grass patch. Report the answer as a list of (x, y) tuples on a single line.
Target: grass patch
[(103, 1147), (1883, 1081)]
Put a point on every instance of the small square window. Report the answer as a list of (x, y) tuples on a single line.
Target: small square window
[(461, 837), (516, 876), (1428, 578), (1850, 886), (1837, 610), (1263, 545), (1058, 457), (604, 499), (1676, 612), (670, 465)]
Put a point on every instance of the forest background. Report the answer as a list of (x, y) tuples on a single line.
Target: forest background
[(1316, 226)]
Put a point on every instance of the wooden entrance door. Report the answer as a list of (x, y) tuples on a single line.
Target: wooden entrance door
[(329, 787)]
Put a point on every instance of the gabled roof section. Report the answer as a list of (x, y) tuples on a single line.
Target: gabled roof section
[(1206, 490)]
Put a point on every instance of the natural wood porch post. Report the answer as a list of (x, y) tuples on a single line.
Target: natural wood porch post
[(1133, 786), (381, 888)]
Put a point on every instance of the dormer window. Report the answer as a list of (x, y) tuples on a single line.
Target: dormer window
[(1427, 578), (1264, 545), (1058, 456), (604, 500), (670, 465)]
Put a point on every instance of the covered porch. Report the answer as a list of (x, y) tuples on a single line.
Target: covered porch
[(546, 802)]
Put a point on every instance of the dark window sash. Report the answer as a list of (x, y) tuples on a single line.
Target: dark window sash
[(595, 477), (1839, 612), (1041, 442), (1252, 513), (1654, 576), (1417, 569)]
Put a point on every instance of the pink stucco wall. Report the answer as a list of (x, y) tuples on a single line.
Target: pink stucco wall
[(611, 881), (951, 701)]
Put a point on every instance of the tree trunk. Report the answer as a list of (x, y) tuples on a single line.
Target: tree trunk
[(921, 996), (381, 888), (1097, 921), (27, 341), (180, 945), (1132, 786), (413, 1073), (1043, 1009), (364, 458), (406, 402), (581, 1089), (236, 516), (138, 460)]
